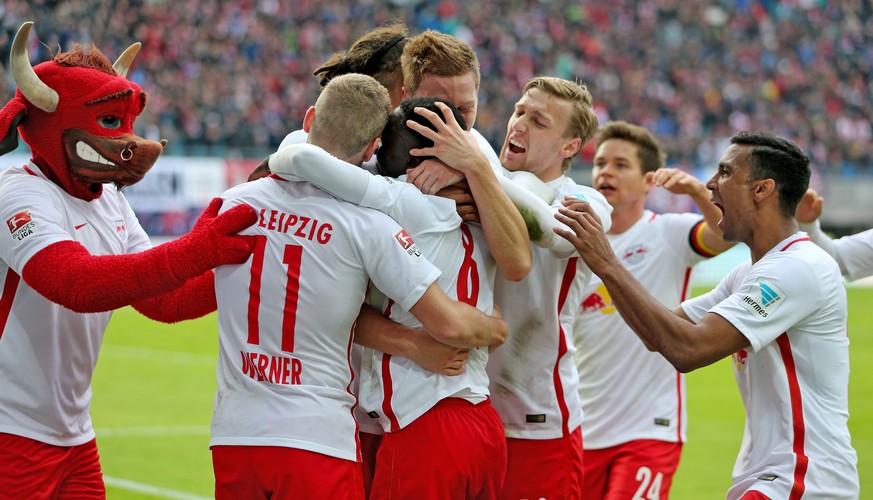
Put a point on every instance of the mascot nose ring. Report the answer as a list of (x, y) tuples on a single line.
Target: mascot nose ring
[(126, 154)]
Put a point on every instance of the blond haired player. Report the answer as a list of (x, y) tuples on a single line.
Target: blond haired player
[(283, 425)]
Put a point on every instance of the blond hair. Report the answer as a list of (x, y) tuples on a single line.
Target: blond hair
[(376, 53), (351, 111), (583, 120), (649, 151), (435, 53)]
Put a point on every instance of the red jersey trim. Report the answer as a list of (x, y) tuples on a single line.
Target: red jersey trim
[(804, 238), (358, 455), (569, 275), (387, 382), (10, 285), (801, 460)]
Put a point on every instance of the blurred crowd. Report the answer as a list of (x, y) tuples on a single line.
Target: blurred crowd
[(231, 78)]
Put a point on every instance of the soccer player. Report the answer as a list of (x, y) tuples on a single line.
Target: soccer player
[(283, 422), (534, 381), (781, 316), (854, 252), (635, 419), (424, 414)]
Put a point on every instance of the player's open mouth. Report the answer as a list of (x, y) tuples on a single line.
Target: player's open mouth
[(515, 147), (606, 188)]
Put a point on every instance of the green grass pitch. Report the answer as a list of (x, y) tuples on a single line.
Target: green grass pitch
[(154, 386)]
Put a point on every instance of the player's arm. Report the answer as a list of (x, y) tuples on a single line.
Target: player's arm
[(456, 323), (377, 332), (504, 228), (685, 345), (311, 163), (679, 182), (67, 274)]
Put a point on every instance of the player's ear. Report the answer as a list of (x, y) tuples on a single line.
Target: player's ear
[(307, 118), (371, 148)]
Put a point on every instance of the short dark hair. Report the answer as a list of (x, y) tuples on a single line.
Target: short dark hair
[(649, 151), (392, 157), (777, 158)]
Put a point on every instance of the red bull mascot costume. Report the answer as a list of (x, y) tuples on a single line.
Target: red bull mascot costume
[(72, 250)]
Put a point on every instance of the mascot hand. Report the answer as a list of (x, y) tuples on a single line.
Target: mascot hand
[(214, 241)]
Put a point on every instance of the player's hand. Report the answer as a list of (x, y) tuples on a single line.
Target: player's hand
[(810, 207), (453, 145), (434, 356), (262, 170), (213, 241), (678, 181), (465, 204), (586, 233), (431, 176)]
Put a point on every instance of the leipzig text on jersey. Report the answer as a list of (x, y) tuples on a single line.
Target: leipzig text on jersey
[(303, 227)]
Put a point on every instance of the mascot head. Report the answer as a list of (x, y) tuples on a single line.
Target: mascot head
[(76, 112)]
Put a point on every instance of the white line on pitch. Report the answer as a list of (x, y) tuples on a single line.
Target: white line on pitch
[(148, 489), (153, 431), (159, 354)]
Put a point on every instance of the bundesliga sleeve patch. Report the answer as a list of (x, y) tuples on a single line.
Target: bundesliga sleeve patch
[(763, 299), (407, 243), (21, 225)]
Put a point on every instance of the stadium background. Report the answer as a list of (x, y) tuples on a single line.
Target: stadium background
[(227, 80)]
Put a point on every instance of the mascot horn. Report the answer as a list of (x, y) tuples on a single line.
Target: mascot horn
[(76, 112)]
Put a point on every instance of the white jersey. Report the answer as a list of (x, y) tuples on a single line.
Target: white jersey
[(534, 381), (47, 352), (395, 390), (791, 306), (286, 316), (627, 391)]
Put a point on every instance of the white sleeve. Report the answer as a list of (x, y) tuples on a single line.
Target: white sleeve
[(311, 163), (854, 254), (772, 298), (538, 216), (598, 203), (34, 220)]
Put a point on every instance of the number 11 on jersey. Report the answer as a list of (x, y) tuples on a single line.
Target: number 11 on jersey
[(291, 257)]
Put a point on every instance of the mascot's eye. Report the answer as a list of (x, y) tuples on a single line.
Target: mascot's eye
[(109, 121)]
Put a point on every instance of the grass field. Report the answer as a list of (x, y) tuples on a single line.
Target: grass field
[(154, 386)]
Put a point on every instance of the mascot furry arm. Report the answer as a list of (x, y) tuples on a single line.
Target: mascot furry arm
[(76, 112)]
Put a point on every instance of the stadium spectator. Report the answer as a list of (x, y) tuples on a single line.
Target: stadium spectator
[(854, 252), (635, 419), (294, 381), (781, 316), (238, 74)]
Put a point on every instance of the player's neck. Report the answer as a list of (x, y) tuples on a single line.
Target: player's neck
[(624, 218), (768, 235)]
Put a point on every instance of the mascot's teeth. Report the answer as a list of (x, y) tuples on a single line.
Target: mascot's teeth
[(87, 153)]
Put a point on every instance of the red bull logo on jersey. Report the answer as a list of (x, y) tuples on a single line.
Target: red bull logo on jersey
[(598, 301), (120, 228), (407, 243), (763, 299), (21, 225), (739, 359), (634, 254)]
